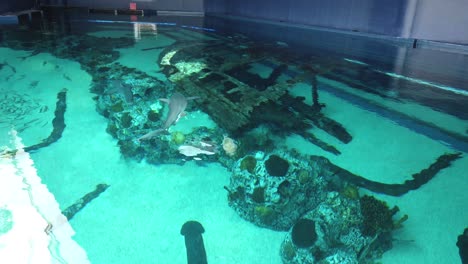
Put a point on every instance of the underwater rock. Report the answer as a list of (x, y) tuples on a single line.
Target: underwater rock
[(330, 233), (192, 231), (276, 201), (129, 120)]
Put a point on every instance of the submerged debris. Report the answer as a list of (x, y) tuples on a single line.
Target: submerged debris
[(237, 98), (73, 209)]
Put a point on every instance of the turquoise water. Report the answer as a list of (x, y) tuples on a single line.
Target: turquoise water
[(265, 130)]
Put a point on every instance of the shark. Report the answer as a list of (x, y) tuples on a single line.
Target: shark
[(119, 87), (177, 104)]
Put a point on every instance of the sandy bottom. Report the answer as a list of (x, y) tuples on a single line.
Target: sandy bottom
[(138, 218)]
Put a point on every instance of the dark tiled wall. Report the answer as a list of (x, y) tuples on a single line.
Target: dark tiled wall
[(437, 20), (169, 5), (216, 6), (381, 17), (15, 5)]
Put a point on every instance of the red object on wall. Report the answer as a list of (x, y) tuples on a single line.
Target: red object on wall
[(132, 6)]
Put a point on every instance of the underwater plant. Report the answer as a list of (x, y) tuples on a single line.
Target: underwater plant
[(378, 217)]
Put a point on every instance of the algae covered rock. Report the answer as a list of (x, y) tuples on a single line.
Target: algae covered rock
[(267, 191), (248, 163), (332, 233)]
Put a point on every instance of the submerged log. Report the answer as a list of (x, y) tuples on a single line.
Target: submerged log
[(73, 209), (398, 189)]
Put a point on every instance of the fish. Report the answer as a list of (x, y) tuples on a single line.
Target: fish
[(121, 88), (193, 151), (177, 104)]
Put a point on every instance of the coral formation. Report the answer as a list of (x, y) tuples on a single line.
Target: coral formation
[(377, 216), (288, 251), (248, 163), (252, 186), (229, 146), (303, 233), (331, 233), (258, 195), (350, 191), (276, 166), (178, 137), (153, 116), (265, 214)]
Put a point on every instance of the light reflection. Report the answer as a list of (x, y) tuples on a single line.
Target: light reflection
[(139, 28)]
